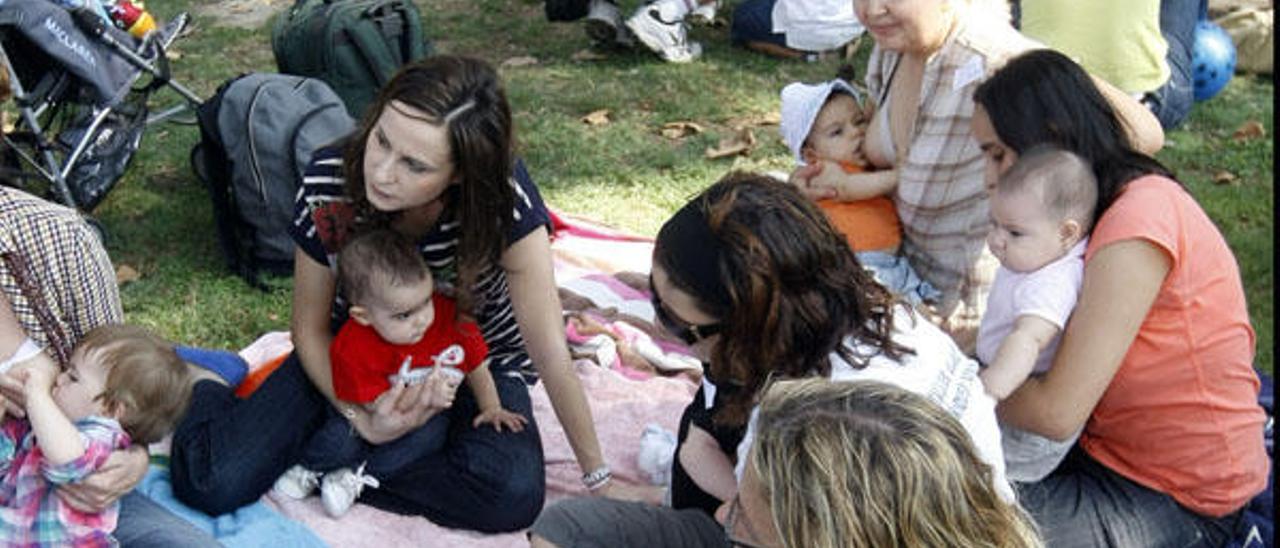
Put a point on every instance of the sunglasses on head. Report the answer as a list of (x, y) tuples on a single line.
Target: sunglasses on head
[(689, 333)]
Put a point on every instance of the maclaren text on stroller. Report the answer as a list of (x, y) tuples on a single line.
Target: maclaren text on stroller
[(81, 110)]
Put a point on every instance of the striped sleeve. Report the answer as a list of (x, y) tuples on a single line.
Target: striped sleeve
[(322, 214)]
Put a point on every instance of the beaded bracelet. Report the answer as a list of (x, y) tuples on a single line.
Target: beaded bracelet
[(597, 478)]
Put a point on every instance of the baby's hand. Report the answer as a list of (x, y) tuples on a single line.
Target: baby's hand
[(806, 180), (441, 388), (500, 417), (38, 379)]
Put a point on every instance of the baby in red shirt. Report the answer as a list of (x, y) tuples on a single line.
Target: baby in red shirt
[(399, 330)]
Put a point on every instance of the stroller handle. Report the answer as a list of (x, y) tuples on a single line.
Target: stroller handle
[(90, 22)]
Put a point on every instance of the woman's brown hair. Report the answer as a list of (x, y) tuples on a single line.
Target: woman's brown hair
[(794, 290), (464, 96)]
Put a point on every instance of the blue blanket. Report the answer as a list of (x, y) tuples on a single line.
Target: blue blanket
[(252, 525)]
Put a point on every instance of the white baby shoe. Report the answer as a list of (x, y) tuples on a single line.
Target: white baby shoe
[(341, 487)]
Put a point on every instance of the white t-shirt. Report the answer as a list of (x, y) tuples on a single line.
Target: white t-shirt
[(939, 371), (816, 25), (1049, 292)]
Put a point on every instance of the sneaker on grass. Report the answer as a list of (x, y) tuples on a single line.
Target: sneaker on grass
[(340, 489), (605, 27), (704, 14), (668, 38), (297, 482)]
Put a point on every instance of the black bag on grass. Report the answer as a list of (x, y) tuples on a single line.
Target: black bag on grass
[(257, 135), (565, 10), (355, 46)]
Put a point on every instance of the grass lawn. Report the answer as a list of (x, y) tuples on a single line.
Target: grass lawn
[(624, 173)]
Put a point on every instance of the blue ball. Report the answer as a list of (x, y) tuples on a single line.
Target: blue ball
[(1213, 60)]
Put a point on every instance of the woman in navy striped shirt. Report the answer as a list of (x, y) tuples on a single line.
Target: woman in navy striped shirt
[(432, 160)]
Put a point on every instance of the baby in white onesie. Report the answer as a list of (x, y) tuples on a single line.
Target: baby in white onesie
[(1041, 212)]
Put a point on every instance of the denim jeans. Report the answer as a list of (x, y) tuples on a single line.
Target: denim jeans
[(227, 452), (894, 272), (1083, 503), (336, 445), (145, 524), (753, 22), (483, 480), (1171, 103)]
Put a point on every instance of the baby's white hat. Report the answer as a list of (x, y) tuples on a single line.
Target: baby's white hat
[(801, 103)]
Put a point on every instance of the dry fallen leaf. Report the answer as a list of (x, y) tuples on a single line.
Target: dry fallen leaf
[(597, 118), (1249, 130), (740, 142), (1224, 177), (680, 130), (126, 274), (754, 120), (521, 61), (771, 118), (588, 55)]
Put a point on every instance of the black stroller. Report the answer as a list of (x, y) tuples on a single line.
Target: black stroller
[(81, 109)]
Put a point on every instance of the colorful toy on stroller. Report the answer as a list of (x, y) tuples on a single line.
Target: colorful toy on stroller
[(74, 80)]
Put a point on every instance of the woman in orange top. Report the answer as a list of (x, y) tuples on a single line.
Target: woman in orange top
[(1156, 362)]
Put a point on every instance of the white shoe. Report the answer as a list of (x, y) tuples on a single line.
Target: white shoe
[(704, 14), (604, 25), (341, 487), (297, 482), (669, 39)]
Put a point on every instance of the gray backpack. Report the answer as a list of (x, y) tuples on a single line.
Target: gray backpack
[(257, 135)]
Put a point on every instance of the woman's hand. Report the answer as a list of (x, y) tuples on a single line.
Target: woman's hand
[(499, 418), (403, 408), (122, 472)]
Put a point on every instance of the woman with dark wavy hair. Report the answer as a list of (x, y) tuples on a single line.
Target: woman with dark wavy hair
[(432, 160), (1156, 362), (755, 279)]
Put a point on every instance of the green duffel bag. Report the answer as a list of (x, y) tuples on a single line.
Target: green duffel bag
[(355, 46)]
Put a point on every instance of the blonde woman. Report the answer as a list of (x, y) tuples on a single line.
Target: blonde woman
[(836, 464), (866, 463)]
